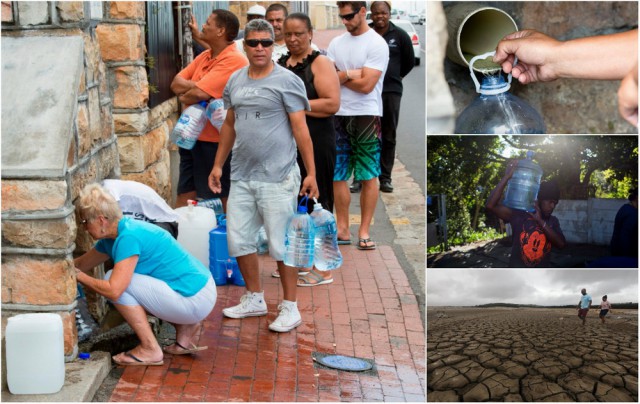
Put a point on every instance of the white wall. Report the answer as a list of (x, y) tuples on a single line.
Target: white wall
[(588, 221)]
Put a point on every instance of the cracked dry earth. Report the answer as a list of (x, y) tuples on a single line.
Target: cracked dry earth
[(510, 354)]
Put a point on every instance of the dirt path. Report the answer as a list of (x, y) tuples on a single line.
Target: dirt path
[(531, 355)]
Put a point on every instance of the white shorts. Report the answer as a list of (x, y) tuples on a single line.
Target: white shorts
[(158, 299), (252, 204)]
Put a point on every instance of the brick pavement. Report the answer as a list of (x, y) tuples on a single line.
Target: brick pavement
[(369, 311)]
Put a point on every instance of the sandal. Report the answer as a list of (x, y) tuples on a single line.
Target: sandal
[(344, 242), (276, 274), (366, 244), (136, 361), (313, 279), (183, 350)]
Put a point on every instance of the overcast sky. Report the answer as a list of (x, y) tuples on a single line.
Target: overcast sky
[(470, 287)]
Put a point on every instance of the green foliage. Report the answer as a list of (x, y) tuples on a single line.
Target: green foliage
[(469, 237), (467, 168)]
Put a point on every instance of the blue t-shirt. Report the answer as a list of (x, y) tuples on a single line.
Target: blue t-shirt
[(584, 301), (159, 256)]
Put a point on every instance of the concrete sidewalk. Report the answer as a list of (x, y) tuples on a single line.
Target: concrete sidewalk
[(369, 312)]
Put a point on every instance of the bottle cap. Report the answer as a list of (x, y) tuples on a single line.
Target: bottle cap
[(203, 103), (84, 355), (492, 88)]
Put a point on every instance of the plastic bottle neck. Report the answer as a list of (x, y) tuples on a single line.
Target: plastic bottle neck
[(494, 85)]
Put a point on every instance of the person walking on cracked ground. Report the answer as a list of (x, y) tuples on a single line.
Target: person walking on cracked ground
[(605, 308), (361, 57), (265, 122), (584, 305), (401, 62)]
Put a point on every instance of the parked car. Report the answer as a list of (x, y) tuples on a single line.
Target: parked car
[(414, 18), (413, 34), (423, 18), (368, 17)]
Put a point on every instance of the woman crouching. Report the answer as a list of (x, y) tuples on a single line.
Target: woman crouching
[(152, 274)]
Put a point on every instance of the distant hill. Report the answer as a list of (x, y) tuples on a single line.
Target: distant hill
[(627, 305)]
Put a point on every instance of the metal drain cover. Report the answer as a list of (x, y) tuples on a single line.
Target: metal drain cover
[(345, 363)]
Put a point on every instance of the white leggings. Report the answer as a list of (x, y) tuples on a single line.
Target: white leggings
[(158, 299)]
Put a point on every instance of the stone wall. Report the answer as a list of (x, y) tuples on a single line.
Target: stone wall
[(588, 221), (39, 226), (567, 106), (112, 133)]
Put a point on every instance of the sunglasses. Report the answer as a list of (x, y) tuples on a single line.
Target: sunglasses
[(253, 43), (348, 17)]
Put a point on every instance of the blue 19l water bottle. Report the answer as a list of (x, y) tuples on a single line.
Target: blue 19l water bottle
[(299, 238), (189, 126), (523, 186), (326, 254)]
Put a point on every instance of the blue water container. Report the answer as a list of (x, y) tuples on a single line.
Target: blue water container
[(224, 269), (522, 188)]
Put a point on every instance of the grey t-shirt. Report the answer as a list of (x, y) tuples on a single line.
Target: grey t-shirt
[(265, 149)]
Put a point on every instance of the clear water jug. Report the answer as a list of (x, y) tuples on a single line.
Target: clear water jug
[(496, 111), (224, 268), (195, 223), (189, 126), (35, 353), (299, 238), (326, 253), (522, 188), (216, 113)]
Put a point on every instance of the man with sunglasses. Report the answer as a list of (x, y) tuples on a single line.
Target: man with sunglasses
[(265, 121), (361, 57), (201, 80)]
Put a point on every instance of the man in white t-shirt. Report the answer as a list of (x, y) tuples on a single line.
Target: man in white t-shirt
[(361, 57)]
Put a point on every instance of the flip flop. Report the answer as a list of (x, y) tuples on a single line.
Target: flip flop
[(137, 362), (344, 242), (276, 274), (183, 350), (313, 279), (363, 244)]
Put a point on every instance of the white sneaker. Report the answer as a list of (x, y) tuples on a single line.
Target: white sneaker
[(288, 319), (251, 304)]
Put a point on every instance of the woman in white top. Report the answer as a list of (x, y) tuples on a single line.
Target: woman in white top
[(605, 307)]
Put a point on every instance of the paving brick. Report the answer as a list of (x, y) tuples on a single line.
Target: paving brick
[(367, 312)]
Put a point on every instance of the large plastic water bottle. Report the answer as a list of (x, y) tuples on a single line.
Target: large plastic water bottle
[(224, 268), (35, 353), (496, 111), (216, 113), (189, 126), (326, 254), (299, 238), (523, 187), (195, 223), (212, 203)]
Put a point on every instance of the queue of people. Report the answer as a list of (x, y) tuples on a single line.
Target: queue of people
[(299, 123)]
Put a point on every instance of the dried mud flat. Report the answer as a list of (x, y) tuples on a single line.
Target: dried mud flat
[(515, 354)]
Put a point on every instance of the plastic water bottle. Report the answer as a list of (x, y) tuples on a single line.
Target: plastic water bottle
[(299, 238), (189, 126), (216, 113), (523, 186), (326, 254), (496, 111), (263, 242), (212, 203)]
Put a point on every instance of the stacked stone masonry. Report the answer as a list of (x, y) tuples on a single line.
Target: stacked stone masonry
[(113, 135)]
